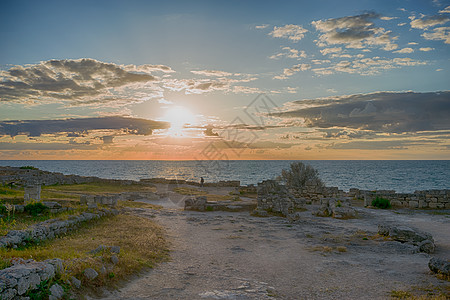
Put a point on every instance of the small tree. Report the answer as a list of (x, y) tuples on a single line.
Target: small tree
[(299, 174)]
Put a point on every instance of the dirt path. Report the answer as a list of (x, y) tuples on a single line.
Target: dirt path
[(221, 255)]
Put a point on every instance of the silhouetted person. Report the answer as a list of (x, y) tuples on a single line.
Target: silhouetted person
[(202, 181)]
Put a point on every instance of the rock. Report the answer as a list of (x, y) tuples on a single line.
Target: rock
[(114, 259), (427, 246), (423, 240), (92, 206), (90, 273), (52, 205), (115, 249), (439, 266), (99, 249), (344, 213), (56, 292), (197, 203), (102, 270), (407, 234), (75, 282)]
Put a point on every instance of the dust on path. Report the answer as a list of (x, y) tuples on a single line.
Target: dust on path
[(222, 255)]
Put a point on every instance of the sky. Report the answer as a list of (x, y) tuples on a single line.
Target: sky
[(202, 80)]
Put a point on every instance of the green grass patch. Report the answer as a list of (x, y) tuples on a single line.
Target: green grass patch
[(381, 203)]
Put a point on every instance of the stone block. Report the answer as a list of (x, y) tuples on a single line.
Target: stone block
[(413, 204)]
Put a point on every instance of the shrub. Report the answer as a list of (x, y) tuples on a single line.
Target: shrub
[(381, 203), (28, 168), (299, 174), (35, 208)]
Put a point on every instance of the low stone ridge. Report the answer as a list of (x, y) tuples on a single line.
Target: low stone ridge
[(111, 249), (49, 229), (24, 276), (33, 177), (422, 240), (439, 266)]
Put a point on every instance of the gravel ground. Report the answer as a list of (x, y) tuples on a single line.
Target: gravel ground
[(224, 255)]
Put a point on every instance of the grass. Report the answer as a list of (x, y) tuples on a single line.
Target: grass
[(7, 193), (97, 188), (136, 204), (141, 242)]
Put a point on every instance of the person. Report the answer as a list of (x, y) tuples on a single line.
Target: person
[(202, 181)]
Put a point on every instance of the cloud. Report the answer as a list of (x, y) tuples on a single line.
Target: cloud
[(292, 70), (201, 86), (425, 22), (330, 50), (368, 66), (148, 68), (289, 53), (439, 34), (387, 112), (445, 10), (80, 127), (80, 81), (211, 73), (405, 50), (388, 18), (354, 31), (292, 32), (262, 26), (426, 49)]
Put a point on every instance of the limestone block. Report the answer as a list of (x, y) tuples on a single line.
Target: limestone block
[(413, 204)]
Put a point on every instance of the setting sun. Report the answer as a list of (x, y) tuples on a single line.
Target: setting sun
[(178, 117)]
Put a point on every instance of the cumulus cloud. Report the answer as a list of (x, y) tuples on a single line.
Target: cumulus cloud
[(292, 70), (445, 10), (426, 22), (80, 81), (368, 66), (405, 50), (354, 31), (386, 112), (330, 50), (426, 49), (200, 86), (289, 53), (292, 32), (439, 34), (212, 73), (80, 127), (262, 26)]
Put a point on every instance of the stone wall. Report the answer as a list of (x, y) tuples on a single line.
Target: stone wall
[(25, 276), (32, 193), (49, 229), (419, 199), (275, 198), (314, 192)]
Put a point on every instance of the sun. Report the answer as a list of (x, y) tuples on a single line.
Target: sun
[(178, 117)]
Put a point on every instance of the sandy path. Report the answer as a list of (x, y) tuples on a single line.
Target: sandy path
[(221, 255)]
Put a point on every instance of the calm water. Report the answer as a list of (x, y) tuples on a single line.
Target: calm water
[(402, 176)]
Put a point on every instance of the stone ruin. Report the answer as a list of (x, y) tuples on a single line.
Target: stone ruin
[(91, 201), (32, 193), (276, 198)]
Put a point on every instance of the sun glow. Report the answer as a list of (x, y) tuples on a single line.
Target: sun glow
[(178, 117)]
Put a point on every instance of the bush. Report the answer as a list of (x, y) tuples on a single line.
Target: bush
[(28, 168), (35, 208), (381, 203), (299, 174)]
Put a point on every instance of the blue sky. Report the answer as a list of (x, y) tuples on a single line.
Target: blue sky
[(212, 58)]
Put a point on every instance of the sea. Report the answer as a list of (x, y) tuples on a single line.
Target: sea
[(399, 175)]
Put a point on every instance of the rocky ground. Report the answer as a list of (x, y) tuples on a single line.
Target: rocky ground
[(232, 255)]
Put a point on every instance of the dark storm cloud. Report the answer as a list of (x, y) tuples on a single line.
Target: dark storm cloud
[(381, 112), (68, 80), (78, 127)]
